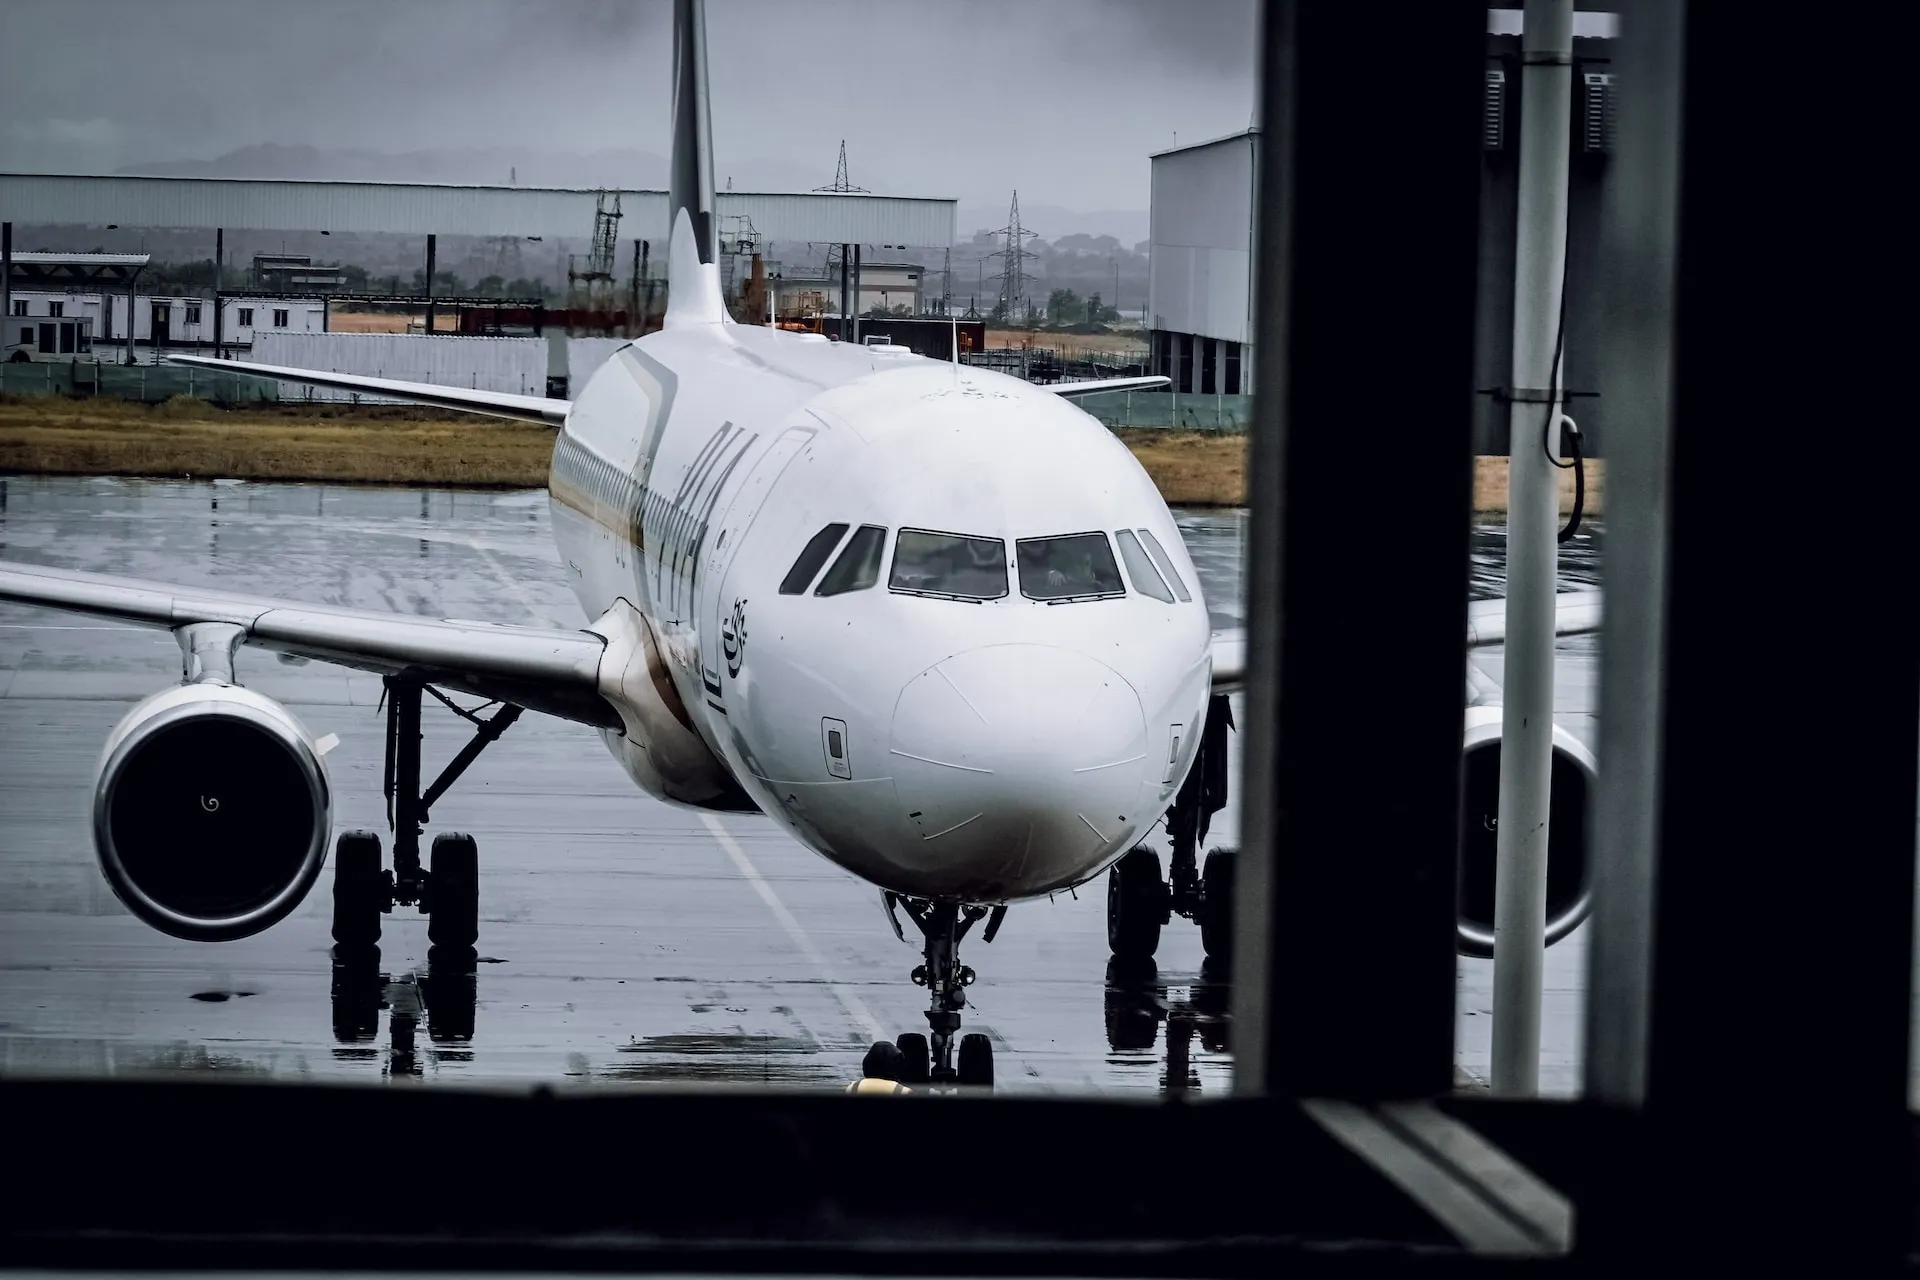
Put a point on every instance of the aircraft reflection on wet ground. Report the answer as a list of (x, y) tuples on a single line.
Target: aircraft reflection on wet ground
[(622, 941)]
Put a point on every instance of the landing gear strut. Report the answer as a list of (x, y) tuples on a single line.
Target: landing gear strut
[(447, 890), (932, 1060), (1139, 902)]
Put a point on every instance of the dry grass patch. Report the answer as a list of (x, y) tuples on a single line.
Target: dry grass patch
[(1192, 468), (192, 438)]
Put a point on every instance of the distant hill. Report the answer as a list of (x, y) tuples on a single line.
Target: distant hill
[(1050, 221)]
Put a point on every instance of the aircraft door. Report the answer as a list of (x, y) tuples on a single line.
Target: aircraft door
[(723, 639)]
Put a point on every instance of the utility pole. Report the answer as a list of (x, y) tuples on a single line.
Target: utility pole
[(1533, 513), (432, 246), (219, 257)]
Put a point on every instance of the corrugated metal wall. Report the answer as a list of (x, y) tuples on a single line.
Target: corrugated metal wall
[(422, 209), (1200, 269), (514, 365)]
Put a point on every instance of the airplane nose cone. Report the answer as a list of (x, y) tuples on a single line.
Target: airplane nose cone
[(1019, 765)]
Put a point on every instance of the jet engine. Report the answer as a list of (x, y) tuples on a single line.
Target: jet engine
[(1568, 896), (212, 811)]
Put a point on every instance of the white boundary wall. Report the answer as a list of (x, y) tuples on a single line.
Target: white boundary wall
[(516, 365)]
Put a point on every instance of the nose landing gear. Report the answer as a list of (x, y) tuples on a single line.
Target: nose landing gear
[(931, 1060)]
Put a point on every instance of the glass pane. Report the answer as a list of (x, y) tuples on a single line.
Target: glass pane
[(812, 556), (858, 566), (949, 564), (1079, 566), (1165, 564), (1146, 578)]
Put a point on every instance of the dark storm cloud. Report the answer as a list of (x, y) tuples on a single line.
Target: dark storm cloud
[(1063, 99)]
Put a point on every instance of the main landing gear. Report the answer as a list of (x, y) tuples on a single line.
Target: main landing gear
[(1139, 902), (447, 889), (942, 925)]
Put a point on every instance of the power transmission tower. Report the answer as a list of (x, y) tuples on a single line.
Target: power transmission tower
[(1012, 276), (841, 183)]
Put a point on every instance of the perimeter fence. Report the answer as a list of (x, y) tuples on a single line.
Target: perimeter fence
[(146, 383)]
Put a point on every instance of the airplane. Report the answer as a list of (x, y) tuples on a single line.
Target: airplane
[(936, 622)]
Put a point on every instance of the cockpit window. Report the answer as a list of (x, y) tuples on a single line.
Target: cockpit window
[(1164, 563), (858, 566), (950, 565), (1146, 578), (1075, 566), (812, 556)]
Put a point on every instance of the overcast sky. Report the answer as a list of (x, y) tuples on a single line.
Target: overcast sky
[(1063, 99)]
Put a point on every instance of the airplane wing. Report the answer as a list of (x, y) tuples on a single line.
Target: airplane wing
[(543, 669), (1106, 384), (498, 404), (1575, 613)]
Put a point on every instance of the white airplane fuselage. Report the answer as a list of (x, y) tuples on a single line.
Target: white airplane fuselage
[(979, 750)]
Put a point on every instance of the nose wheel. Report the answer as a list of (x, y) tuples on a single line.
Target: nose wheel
[(944, 1056)]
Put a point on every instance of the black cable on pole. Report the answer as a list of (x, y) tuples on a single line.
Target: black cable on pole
[(1578, 466)]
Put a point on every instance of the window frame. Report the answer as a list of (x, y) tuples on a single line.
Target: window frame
[(1006, 568), (1142, 583), (1163, 561), (788, 587), (846, 552), (1081, 597)]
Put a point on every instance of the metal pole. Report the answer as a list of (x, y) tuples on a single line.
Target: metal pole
[(219, 256), (1533, 556), (6, 284), (856, 295), (431, 246), (846, 291)]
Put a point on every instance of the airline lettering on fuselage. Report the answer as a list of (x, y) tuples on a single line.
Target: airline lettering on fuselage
[(672, 530), (733, 637)]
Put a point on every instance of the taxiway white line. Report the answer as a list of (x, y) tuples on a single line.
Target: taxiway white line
[(538, 614), (852, 1004)]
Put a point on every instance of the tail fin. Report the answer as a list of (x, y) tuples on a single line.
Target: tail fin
[(693, 272)]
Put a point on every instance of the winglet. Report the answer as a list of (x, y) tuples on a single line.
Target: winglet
[(693, 273)]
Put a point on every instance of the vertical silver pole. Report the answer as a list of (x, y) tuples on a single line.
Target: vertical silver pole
[(7, 326), (1526, 725)]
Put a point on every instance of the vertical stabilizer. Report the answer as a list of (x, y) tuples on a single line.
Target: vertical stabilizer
[(693, 271)]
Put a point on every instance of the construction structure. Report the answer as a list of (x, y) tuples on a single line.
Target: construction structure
[(590, 288)]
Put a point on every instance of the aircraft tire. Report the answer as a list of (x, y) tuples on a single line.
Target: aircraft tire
[(1216, 904), (917, 1067), (358, 887), (454, 921), (976, 1061), (1136, 905)]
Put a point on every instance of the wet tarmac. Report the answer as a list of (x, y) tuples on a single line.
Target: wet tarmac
[(623, 941)]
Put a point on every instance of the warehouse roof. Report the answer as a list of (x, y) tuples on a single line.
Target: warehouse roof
[(423, 208)]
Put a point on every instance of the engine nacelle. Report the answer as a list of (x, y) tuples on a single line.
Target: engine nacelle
[(1568, 880), (212, 811)]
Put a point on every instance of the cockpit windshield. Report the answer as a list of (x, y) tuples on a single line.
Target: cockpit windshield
[(951, 565), (1075, 566)]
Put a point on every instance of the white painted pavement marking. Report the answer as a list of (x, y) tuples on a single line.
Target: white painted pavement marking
[(513, 587), (855, 1007)]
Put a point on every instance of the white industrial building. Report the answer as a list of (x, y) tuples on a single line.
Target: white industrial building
[(159, 321), (1200, 270)]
